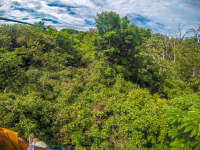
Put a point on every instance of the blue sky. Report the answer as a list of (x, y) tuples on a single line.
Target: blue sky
[(159, 15)]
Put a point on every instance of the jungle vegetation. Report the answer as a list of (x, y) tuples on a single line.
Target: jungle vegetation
[(114, 87)]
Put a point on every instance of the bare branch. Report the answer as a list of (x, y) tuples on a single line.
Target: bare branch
[(198, 28), (180, 28), (197, 33), (185, 34), (169, 33), (192, 29)]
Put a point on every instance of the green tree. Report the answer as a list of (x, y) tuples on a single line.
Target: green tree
[(107, 21), (40, 24), (125, 22), (11, 73), (70, 31), (188, 64)]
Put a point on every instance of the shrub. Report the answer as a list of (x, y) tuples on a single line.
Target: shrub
[(123, 116), (184, 117)]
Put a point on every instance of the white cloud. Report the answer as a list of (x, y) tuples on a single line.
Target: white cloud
[(86, 3), (156, 12)]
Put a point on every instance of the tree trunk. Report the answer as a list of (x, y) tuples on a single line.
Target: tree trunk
[(174, 52), (174, 57), (164, 56), (164, 53), (197, 38), (193, 72), (160, 71)]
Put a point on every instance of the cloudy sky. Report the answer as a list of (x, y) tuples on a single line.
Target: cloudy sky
[(159, 15)]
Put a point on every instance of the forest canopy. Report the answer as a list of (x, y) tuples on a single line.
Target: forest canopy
[(118, 86)]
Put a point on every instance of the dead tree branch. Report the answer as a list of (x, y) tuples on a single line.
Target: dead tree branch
[(197, 33)]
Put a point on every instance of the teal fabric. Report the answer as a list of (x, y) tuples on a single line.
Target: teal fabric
[(55, 147)]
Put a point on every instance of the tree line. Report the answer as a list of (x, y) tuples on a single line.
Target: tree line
[(114, 87)]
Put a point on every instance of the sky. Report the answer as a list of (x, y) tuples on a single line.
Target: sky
[(161, 16)]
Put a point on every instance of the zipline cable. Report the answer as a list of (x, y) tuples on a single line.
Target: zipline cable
[(6, 19)]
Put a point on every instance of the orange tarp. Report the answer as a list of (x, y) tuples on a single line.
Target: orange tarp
[(8, 140)]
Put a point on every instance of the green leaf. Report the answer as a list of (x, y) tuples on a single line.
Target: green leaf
[(174, 120), (186, 118), (179, 119), (194, 131), (172, 111), (185, 124), (170, 117), (197, 111), (188, 128), (174, 143), (198, 147), (193, 144)]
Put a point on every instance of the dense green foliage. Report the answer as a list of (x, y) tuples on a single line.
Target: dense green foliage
[(107, 21), (117, 87), (184, 117)]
